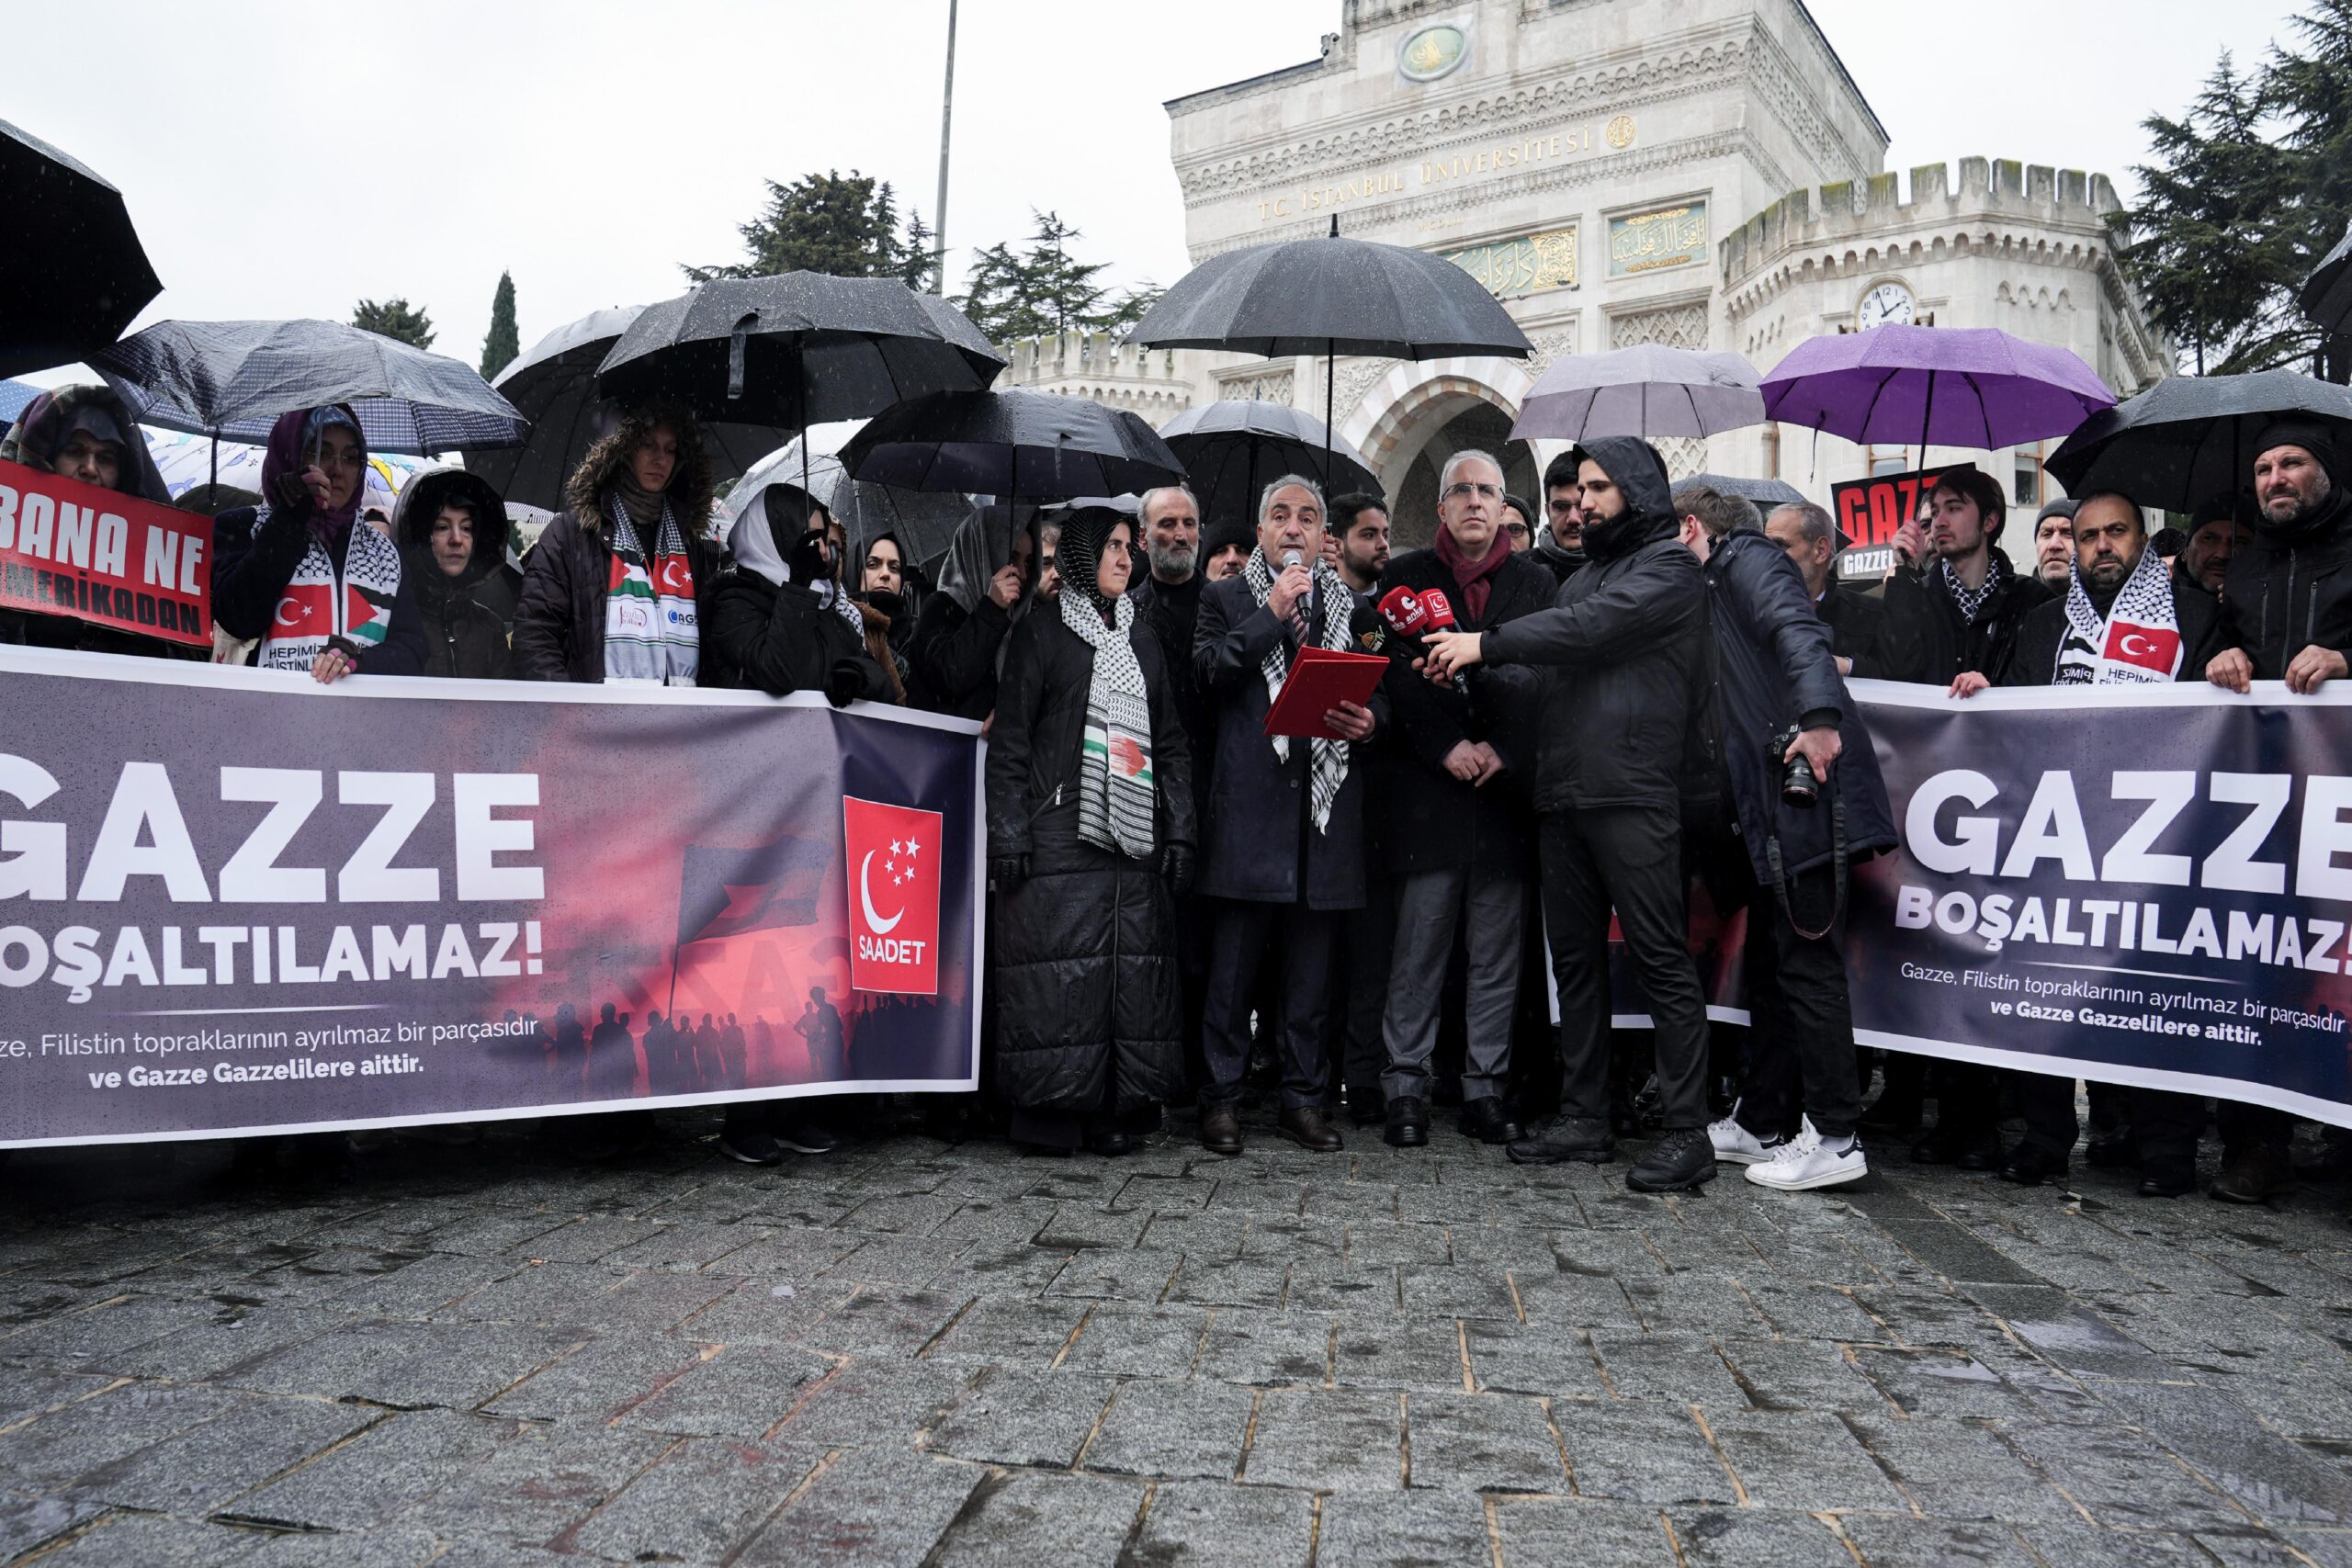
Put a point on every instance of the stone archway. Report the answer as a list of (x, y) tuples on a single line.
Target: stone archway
[(1409, 421)]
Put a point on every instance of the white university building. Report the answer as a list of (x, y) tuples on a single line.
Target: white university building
[(1699, 173)]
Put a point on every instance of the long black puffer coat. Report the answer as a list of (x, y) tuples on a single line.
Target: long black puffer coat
[(1088, 1006)]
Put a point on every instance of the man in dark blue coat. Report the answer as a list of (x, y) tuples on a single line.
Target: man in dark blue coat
[(1285, 820)]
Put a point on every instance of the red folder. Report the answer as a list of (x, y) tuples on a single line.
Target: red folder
[(1319, 682)]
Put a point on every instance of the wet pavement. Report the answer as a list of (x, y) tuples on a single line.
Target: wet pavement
[(924, 1354)]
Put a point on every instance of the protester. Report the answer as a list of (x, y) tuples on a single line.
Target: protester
[(321, 590), (1357, 540), (960, 630), (1518, 522), (1615, 650), (452, 530), (886, 588), (776, 622), (2054, 545), (1225, 546), (1954, 602), (885, 622), (1559, 545), (85, 434), (2219, 528), (1778, 697), (1049, 583), (1286, 814), (1168, 597), (1454, 817), (614, 590), (1090, 830), (1857, 622)]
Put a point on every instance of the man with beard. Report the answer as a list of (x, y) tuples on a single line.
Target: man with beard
[(1358, 537), (1615, 651), (2286, 615), (1856, 620), (2054, 546), (2218, 530), (1225, 546), (1559, 544)]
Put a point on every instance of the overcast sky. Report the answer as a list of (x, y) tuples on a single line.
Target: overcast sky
[(285, 159)]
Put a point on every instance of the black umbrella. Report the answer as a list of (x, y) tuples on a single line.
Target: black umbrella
[(1015, 444), (234, 378), (1232, 448), (554, 386), (73, 272), (1332, 297), (2327, 293), (1763, 492), (2188, 438)]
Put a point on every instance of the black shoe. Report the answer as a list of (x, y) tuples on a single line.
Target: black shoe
[(1112, 1145), (2030, 1164), (752, 1147), (1489, 1121), (1304, 1126), (1409, 1122), (2162, 1181), (1220, 1130), (2254, 1174), (1676, 1163), (1565, 1138), (1367, 1107), (2115, 1149), (805, 1135)]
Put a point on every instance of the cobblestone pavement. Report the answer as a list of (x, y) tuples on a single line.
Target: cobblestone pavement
[(911, 1353)]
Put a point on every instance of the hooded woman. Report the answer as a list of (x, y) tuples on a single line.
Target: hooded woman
[(84, 433), (452, 529), (1090, 803), (778, 622), (885, 592), (322, 590), (614, 590), (961, 628)]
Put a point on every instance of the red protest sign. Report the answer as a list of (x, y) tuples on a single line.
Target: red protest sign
[(893, 866), (68, 549), (1869, 510)]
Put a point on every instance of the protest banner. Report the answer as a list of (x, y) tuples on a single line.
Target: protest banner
[(1869, 510), (68, 549), (233, 901)]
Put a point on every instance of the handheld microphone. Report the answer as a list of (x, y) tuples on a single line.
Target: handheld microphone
[(1440, 610), (1369, 630), (1413, 615), (1291, 559)]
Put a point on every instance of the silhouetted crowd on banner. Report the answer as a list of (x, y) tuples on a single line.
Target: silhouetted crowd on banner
[(1599, 709)]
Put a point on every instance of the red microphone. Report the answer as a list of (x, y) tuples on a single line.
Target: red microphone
[(1441, 610), (1405, 611)]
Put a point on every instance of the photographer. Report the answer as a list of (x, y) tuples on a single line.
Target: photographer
[(1806, 794)]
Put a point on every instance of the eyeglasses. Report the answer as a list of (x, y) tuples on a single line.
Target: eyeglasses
[(1516, 530), (1465, 490)]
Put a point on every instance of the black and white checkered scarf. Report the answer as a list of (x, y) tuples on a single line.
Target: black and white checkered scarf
[(1327, 766)]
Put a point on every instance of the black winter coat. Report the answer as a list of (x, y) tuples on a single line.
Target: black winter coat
[(1925, 641), (1857, 629), (463, 636), (1089, 1014), (248, 582), (1773, 669), (757, 637), (1256, 821), (560, 620), (2288, 592), (1423, 818), (951, 659), (2197, 613), (1171, 614)]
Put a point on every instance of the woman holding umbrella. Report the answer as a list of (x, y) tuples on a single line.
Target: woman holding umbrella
[(615, 588), (322, 590), (1089, 802)]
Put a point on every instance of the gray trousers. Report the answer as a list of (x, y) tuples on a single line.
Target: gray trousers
[(1427, 904)]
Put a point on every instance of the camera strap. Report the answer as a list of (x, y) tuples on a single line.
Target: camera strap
[(1837, 860)]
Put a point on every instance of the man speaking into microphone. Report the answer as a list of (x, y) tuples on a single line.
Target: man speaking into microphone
[(1452, 806), (1284, 821)]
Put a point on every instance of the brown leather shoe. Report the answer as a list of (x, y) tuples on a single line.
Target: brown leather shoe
[(1306, 1127), (1220, 1130)]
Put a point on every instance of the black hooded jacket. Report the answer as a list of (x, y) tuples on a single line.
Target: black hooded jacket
[(1925, 641), (1616, 648), (2289, 589), (465, 617)]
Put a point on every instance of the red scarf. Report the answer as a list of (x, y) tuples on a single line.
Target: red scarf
[(1473, 575)]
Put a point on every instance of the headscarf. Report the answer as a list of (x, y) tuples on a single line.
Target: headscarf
[(765, 534), (1117, 788), (982, 547), (898, 602), (1078, 557), (49, 421), (292, 440)]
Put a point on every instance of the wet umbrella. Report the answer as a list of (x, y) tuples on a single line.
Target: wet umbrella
[(1974, 387), (1648, 390), (73, 274), (2188, 438), (1332, 297), (1015, 444), (1763, 492), (232, 379), (1230, 449), (2326, 295), (553, 384), (924, 521)]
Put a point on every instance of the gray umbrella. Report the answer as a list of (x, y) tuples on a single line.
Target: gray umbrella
[(924, 521), (73, 273), (2326, 295), (1763, 492), (1232, 447), (1649, 390), (554, 386), (234, 378)]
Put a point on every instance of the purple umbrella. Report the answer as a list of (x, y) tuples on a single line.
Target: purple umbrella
[(1973, 387)]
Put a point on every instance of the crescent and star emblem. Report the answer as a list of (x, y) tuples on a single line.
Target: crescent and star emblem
[(865, 896)]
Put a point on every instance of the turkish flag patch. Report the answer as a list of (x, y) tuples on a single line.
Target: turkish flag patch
[(893, 868), (2150, 647)]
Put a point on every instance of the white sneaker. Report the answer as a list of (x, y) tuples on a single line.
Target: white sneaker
[(1735, 1144), (1808, 1160)]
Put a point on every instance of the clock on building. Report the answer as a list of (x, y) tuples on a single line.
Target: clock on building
[(1889, 302)]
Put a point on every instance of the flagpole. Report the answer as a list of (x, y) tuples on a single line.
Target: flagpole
[(947, 108)]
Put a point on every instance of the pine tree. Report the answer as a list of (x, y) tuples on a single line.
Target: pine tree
[(1044, 289), (2309, 91), (921, 260), (503, 342), (394, 319), (843, 224)]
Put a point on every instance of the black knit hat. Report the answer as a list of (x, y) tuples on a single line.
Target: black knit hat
[(2310, 434)]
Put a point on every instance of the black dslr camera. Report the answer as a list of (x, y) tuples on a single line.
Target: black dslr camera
[(1798, 786)]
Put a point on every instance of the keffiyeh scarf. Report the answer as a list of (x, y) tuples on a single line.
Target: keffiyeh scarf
[(2137, 641), (322, 604), (1971, 602), (1328, 767), (651, 637), (1117, 792)]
